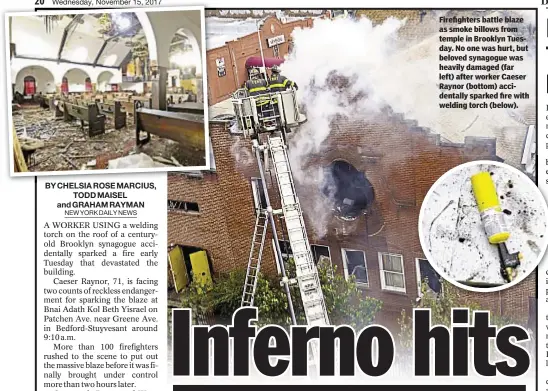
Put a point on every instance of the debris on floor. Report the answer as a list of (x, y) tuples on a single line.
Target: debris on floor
[(59, 146), (134, 161)]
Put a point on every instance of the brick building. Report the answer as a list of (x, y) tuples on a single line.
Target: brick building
[(226, 65), (399, 160)]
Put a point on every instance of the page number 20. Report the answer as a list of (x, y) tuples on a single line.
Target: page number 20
[(39, 2)]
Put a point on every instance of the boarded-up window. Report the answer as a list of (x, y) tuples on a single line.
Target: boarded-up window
[(89, 87), (29, 86), (65, 85), (188, 264), (183, 206)]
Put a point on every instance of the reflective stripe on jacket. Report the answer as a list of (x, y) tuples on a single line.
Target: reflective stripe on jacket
[(279, 83), (257, 87)]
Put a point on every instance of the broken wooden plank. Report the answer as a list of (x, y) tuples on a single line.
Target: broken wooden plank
[(69, 161), (67, 147), (19, 163)]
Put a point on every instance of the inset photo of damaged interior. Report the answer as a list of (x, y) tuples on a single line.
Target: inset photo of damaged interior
[(108, 91)]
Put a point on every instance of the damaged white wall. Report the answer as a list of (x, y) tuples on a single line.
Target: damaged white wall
[(26, 67), (166, 24), (104, 80), (43, 78), (76, 80), (137, 87)]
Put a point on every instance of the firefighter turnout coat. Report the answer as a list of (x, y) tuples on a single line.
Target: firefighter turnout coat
[(257, 87), (279, 83)]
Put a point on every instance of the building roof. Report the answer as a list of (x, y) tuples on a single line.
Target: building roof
[(43, 37), (222, 110)]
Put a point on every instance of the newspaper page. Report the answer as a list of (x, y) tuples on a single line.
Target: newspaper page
[(354, 196), (100, 282)]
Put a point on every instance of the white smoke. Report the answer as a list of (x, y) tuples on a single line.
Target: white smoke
[(383, 70), (337, 48), (242, 154), (331, 51)]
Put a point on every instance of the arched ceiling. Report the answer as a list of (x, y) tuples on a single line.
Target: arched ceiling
[(101, 39)]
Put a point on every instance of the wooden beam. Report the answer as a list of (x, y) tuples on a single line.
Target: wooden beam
[(71, 24), (64, 61), (19, 163), (105, 43), (108, 40), (187, 107)]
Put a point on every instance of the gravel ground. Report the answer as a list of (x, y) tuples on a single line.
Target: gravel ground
[(66, 147)]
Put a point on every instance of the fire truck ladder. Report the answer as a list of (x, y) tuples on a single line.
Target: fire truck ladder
[(307, 274), (259, 235), (255, 257)]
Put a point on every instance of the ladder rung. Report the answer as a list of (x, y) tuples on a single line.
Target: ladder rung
[(312, 303), (295, 229)]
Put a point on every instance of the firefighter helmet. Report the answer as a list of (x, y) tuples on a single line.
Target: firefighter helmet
[(254, 73), (275, 69)]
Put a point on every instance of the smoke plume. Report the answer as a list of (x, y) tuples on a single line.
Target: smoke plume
[(334, 64), (354, 69), (242, 155)]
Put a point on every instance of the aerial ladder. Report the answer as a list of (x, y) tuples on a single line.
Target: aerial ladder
[(268, 126)]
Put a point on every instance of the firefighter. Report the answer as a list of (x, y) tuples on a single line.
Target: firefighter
[(255, 86), (278, 82)]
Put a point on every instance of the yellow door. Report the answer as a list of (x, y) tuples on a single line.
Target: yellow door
[(178, 268), (200, 268)]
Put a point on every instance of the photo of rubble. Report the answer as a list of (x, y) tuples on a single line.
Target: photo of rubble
[(326, 136), (483, 226), (108, 91)]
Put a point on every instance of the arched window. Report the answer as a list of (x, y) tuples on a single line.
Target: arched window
[(65, 86), (348, 189), (88, 84), (29, 86)]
